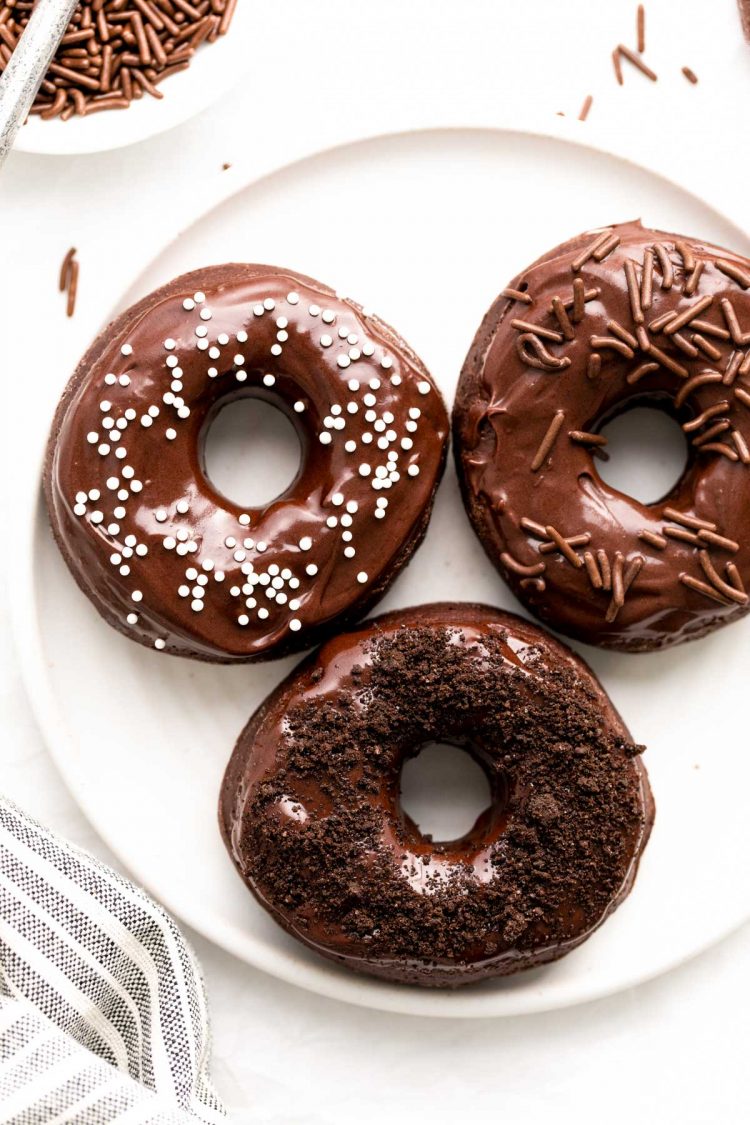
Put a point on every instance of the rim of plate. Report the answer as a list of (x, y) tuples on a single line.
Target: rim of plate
[(324, 979), (212, 73)]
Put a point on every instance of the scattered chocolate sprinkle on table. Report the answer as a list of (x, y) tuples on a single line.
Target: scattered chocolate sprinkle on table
[(585, 108), (68, 282), (691, 76), (115, 51), (744, 7), (641, 28), (624, 52)]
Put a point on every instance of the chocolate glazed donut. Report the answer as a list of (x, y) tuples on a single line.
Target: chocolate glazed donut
[(171, 562), (614, 319), (310, 808)]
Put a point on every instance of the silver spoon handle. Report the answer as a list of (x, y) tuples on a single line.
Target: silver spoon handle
[(28, 65)]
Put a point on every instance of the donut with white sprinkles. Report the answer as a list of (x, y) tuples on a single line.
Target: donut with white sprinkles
[(166, 558)]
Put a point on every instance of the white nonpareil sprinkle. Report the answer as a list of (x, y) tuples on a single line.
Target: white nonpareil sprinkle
[(362, 577), (132, 619), (160, 643)]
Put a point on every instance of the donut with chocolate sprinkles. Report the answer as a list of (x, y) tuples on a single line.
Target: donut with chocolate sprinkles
[(310, 808), (163, 555), (613, 319)]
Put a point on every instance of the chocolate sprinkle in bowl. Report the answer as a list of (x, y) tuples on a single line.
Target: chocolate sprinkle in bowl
[(161, 60)]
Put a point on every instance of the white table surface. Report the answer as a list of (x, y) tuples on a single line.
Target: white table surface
[(671, 1050)]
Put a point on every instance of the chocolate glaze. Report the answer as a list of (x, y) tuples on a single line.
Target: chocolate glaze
[(687, 575), (171, 562), (311, 816)]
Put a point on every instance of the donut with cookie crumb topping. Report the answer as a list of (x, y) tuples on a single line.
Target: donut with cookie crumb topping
[(311, 815)]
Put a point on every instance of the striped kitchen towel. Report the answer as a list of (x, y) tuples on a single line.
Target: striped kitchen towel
[(102, 1010)]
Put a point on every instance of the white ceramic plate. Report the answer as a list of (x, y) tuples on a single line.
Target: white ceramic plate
[(425, 228), (213, 71)]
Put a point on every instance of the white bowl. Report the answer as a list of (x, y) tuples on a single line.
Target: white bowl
[(212, 72)]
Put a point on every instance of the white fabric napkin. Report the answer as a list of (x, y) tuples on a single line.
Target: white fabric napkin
[(102, 1009)]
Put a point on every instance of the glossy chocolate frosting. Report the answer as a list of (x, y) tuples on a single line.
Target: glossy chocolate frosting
[(162, 554), (615, 318), (310, 808)]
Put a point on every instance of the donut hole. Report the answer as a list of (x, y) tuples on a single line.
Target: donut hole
[(648, 452), (444, 792), (251, 452)]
